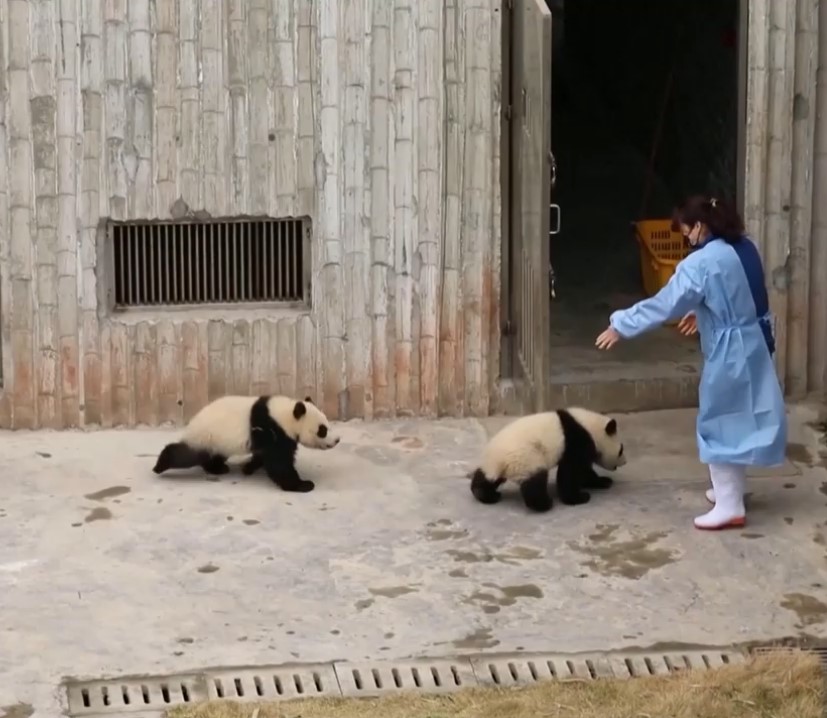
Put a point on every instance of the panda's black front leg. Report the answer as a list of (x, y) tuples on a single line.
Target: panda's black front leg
[(285, 476), (570, 479), (593, 480), (253, 464)]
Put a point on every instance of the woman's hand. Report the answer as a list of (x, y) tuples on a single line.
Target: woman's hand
[(607, 339), (688, 325)]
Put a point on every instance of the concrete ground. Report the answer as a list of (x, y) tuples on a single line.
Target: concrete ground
[(106, 569)]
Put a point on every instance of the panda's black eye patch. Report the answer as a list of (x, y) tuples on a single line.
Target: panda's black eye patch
[(322, 432)]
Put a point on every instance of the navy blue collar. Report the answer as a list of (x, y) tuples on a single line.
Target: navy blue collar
[(709, 240)]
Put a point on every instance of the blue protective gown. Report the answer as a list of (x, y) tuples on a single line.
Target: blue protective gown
[(741, 413)]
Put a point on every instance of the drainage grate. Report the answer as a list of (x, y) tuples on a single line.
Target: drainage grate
[(135, 694), (819, 649), (522, 669), (429, 676), (515, 670), (152, 695), (636, 665), (215, 262), (282, 683), (159, 693)]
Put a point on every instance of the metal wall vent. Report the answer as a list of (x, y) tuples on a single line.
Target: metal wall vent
[(152, 695), (211, 262)]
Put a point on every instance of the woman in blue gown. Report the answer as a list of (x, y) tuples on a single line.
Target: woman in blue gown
[(742, 420)]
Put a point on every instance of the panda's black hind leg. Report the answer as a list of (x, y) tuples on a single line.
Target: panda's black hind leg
[(177, 456), (484, 489), (570, 480), (215, 464), (534, 491), (593, 480)]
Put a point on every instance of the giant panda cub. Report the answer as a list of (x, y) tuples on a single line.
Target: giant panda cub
[(526, 450), (268, 427)]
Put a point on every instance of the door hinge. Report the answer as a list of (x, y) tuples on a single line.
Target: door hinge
[(508, 328), (552, 160), (507, 112), (509, 4)]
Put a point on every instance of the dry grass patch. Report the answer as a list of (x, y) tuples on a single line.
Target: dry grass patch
[(772, 686)]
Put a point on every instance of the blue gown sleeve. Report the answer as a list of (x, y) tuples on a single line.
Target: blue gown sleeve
[(682, 293)]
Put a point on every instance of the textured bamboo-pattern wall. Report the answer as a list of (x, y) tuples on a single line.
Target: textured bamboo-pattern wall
[(786, 179), (377, 118)]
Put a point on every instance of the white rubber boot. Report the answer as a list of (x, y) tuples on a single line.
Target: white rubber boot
[(710, 496), (728, 481)]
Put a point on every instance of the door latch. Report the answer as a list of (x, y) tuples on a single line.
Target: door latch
[(555, 228)]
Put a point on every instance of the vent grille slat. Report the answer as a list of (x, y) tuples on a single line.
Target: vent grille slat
[(238, 261)]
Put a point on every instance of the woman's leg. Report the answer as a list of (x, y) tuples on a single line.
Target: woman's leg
[(728, 482)]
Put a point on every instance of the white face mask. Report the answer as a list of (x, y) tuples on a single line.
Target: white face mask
[(694, 235)]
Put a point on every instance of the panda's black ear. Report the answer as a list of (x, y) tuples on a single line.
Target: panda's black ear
[(299, 410), (308, 400), (611, 427)]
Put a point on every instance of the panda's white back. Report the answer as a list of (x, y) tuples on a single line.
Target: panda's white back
[(222, 426), (523, 446)]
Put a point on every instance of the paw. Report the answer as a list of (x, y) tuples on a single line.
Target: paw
[(248, 468), (220, 469), (488, 497), (578, 499), (601, 482), (540, 506), (305, 486)]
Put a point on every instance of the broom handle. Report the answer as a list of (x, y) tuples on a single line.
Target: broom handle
[(650, 168)]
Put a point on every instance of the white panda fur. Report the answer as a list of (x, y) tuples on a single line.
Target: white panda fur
[(524, 451), (268, 427)]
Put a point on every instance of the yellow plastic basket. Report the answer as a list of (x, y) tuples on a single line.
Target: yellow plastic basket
[(660, 251)]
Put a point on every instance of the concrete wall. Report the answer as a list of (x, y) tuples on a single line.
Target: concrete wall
[(377, 119)]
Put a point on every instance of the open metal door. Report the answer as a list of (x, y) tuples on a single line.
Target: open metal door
[(531, 191)]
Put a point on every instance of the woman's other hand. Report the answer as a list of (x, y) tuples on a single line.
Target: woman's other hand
[(607, 339), (688, 325)]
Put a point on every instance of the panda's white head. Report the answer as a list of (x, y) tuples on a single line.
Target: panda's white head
[(609, 446), (306, 423), (314, 429), (604, 433)]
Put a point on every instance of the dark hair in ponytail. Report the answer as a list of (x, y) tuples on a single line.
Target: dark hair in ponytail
[(720, 216)]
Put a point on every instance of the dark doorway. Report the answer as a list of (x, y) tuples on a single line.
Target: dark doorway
[(627, 77)]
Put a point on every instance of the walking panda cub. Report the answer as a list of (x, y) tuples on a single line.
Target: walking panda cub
[(268, 427), (525, 450)]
